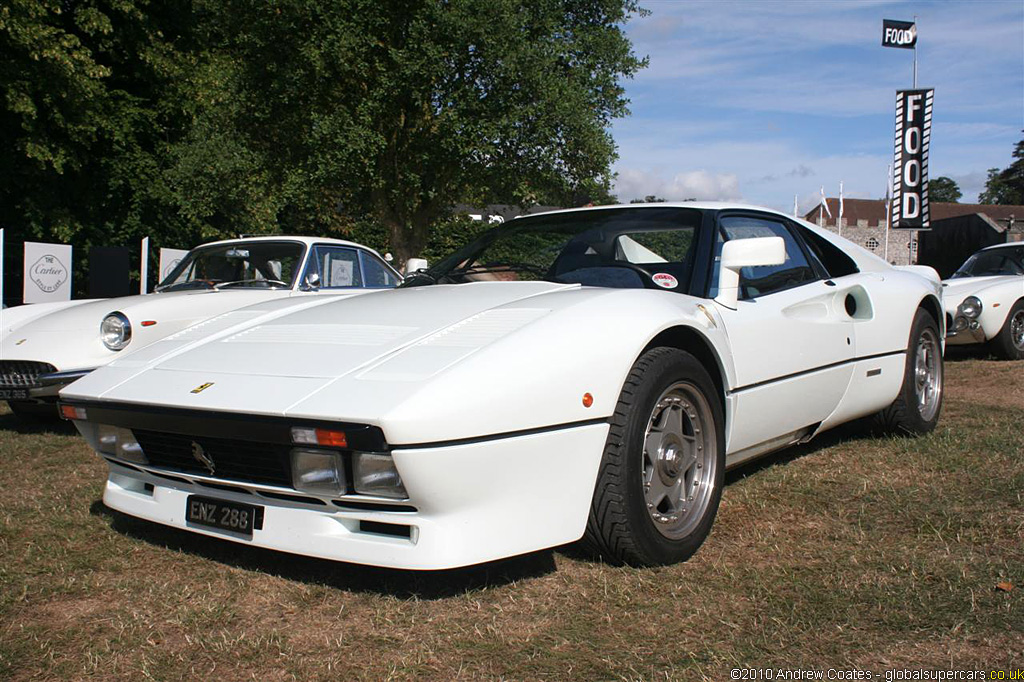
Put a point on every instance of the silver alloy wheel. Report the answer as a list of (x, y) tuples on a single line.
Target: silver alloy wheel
[(1017, 330), (679, 460), (928, 374)]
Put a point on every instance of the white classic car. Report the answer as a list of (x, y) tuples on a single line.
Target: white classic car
[(44, 347), (578, 374), (984, 301)]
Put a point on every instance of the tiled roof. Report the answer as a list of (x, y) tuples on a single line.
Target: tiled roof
[(873, 210)]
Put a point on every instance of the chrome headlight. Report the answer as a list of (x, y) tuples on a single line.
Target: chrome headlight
[(970, 308), (115, 331)]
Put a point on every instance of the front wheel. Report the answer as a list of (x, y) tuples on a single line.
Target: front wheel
[(663, 467), (916, 408), (1008, 344)]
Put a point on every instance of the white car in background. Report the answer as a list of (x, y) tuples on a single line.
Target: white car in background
[(46, 346), (587, 373), (984, 301)]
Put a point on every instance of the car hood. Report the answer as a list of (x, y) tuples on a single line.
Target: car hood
[(69, 338), (425, 363), (954, 291)]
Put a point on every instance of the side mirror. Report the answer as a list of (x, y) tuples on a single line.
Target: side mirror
[(312, 281), (414, 264), (745, 253)]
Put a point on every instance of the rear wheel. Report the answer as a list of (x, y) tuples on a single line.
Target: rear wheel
[(1009, 342), (916, 408), (661, 475)]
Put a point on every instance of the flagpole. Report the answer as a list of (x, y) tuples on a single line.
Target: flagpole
[(839, 220), (915, 54), (888, 212), (1, 275), (913, 233)]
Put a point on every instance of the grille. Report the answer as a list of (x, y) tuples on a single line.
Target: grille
[(233, 460), (22, 373)]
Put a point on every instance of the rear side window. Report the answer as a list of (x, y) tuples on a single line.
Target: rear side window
[(375, 273), (765, 279), (338, 267), (832, 258)]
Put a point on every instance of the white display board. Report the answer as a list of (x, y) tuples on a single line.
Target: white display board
[(169, 259), (47, 273)]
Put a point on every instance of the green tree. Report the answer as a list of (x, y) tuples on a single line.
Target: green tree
[(1006, 186), (90, 97), (396, 111), (944, 189)]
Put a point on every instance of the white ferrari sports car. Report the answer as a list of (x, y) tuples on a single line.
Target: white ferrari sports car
[(46, 346), (984, 301), (578, 374)]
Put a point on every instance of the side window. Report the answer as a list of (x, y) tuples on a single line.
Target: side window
[(766, 279), (337, 266), (375, 273)]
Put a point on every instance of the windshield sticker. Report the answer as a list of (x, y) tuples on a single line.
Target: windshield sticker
[(665, 280)]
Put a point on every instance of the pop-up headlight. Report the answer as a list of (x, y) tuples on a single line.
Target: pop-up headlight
[(318, 472), (375, 474)]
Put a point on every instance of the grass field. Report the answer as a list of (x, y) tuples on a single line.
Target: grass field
[(851, 552)]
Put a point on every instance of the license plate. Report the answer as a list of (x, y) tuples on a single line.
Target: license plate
[(13, 393), (229, 516)]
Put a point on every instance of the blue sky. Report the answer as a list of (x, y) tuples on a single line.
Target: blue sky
[(762, 100)]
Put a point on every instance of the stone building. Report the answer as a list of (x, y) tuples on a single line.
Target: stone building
[(958, 230)]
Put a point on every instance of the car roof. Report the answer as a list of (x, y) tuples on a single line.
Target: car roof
[(702, 205), (866, 260), (1007, 245), (289, 238)]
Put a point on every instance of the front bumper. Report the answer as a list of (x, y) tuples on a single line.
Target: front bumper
[(962, 331), (469, 503)]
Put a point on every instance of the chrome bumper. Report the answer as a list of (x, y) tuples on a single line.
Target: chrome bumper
[(49, 385), (963, 330)]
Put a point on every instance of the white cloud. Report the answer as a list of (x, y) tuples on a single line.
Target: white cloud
[(700, 184), (759, 101)]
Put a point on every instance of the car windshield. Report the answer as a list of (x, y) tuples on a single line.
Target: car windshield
[(618, 248), (265, 265), (989, 263)]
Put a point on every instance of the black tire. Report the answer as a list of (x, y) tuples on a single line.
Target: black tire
[(32, 411), (625, 526), (1008, 344), (916, 409)]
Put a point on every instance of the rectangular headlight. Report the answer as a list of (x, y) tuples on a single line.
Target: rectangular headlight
[(375, 474), (318, 472), (119, 442)]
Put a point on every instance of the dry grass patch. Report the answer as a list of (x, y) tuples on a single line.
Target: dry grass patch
[(851, 551)]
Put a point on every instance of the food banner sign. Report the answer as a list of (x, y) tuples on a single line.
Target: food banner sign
[(47, 273), (910, 160), (899, 34)]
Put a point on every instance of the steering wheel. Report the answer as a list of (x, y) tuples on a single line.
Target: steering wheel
[(645, 277)]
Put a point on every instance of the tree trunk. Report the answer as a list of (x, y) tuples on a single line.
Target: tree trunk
[(407, 241)]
